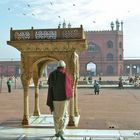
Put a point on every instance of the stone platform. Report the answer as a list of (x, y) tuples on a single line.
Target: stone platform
[(45, 121), (9, 133)]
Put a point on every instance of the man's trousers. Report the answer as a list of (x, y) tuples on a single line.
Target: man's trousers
[(60, 115)]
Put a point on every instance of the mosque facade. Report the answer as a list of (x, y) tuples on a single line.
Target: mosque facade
[(104, 55)]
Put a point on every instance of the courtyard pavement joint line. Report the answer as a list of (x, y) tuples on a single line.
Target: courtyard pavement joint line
[(72, 133), (1, 127), (21, 137)]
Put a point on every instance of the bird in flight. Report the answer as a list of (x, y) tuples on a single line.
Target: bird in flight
[(28, 5)]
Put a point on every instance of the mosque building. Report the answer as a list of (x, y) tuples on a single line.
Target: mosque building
[(104, 55)]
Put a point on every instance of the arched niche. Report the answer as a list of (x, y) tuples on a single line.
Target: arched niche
[(91, 69)]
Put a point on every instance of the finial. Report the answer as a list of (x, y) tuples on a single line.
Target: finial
[(112, 25), (69, 25), (117, 25), (64, 24), (59, 25), (121, 25)]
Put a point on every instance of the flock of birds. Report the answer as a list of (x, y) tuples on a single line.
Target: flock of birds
[(28, 5), (51, 3), (33, 14)]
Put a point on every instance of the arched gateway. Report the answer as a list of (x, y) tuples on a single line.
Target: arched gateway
[(39, 47)]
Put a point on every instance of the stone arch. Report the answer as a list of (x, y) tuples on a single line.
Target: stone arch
[(34, 69), (109, 57), (93, 48), (110, 70), (37, 72), (109, 44), (91, 68)]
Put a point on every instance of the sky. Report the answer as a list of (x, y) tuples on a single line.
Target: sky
[(94, 15)]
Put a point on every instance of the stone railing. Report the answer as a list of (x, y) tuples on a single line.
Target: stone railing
[(47, 34)]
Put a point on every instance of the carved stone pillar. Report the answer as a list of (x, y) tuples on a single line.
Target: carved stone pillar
[(70, 68), (25, 83), (35, 80), (76, 111), (72, 115), (36, 107), (25, 79)]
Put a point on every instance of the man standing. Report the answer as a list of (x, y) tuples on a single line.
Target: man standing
[(9, 84), (59, 93), (120, 82), (96, 87)]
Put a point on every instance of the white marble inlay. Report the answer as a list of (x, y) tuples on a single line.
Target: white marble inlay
[(21, 35), (45, 34)]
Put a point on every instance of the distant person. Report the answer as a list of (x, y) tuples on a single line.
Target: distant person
[(131, 80), (90, 80), (84, 79), (120, 82), (59, 93), (96, 87), (9, 84), (100, 79), (40, 84)]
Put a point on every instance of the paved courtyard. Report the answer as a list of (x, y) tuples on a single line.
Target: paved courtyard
[(112, 110)]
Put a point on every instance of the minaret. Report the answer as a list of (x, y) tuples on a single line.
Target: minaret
[(117, 25), (59, 25), (112, 26), (64, 24), (121, 25), (69, 25)]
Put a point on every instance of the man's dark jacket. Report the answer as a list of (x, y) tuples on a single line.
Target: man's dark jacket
[(59, 88)]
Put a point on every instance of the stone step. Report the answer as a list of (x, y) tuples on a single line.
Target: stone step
[(13, 133), (67, 137)]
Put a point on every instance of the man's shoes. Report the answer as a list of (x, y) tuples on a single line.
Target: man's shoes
[(60, 135), (62, 138), (57, 135)]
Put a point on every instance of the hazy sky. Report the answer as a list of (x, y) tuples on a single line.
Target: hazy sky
[(92, 14)]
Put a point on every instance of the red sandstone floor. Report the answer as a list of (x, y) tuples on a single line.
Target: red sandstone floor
[(112, 108)]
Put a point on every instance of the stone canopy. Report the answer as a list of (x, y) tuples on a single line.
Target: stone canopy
[(38, 48)]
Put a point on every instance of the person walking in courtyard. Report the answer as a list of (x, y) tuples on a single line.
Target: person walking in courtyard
[(120, 82), (100, 79), (96, 88), (59, 93), (9, 85)]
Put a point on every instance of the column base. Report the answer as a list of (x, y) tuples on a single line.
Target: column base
[(71, 121), (25, 121), (74, 121), (76, 114), (36, 113)]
